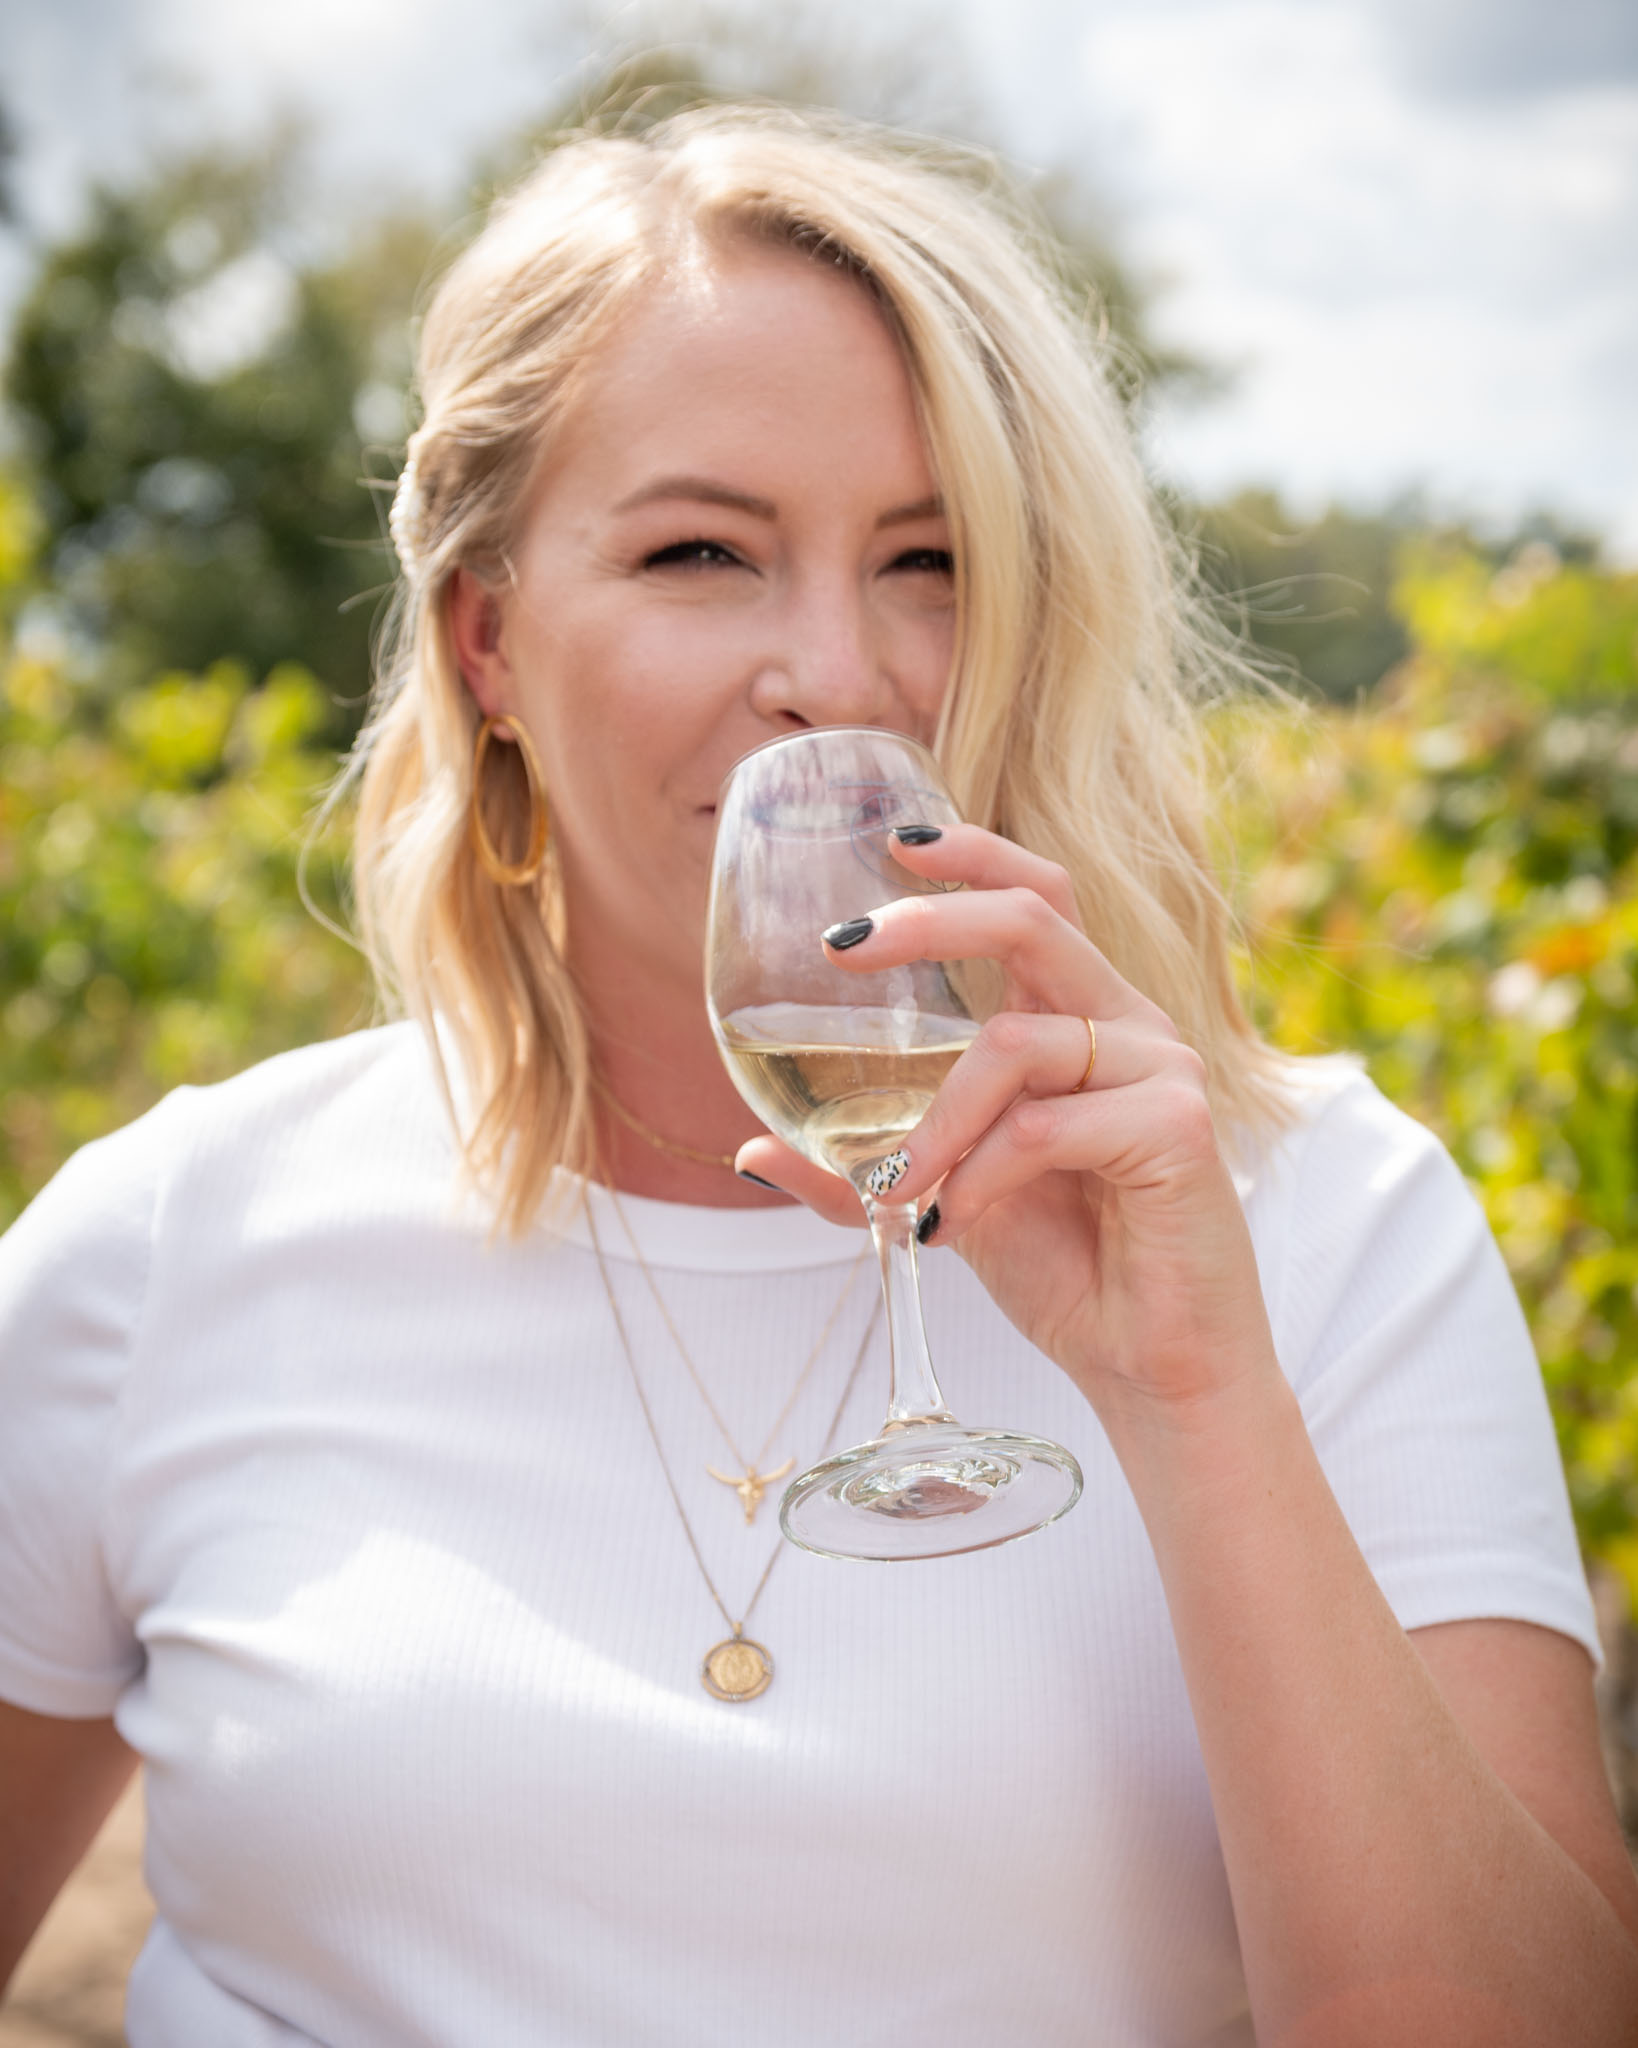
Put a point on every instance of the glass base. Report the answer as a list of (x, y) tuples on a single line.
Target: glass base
[(930, 1489)]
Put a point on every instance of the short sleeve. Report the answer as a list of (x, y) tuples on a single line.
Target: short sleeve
[(72, 1271), (1399, 1328)]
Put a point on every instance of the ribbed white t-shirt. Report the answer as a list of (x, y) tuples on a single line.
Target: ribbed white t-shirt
[(351, 1517)]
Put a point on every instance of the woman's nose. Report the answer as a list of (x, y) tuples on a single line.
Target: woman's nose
[(827, 668)]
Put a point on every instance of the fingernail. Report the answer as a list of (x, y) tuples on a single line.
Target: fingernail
[(928, 1223), (918, 835), (886, 1174), (745, 1174), (841, 936)]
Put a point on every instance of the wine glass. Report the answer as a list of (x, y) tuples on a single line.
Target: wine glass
[(842, 1066)]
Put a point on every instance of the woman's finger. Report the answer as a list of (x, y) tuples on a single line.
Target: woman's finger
[(1046, 956), (1027, 1054), (776, 1166), (1155, 1135), (983, 860)]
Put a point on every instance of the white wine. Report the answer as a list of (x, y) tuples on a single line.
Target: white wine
[(844, 1086)]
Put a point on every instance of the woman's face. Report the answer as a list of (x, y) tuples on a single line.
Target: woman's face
[(738, 535)]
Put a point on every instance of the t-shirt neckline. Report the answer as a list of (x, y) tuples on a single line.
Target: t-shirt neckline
[(692, 1239)]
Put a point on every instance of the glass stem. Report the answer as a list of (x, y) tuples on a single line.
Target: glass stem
[(913, 1389)]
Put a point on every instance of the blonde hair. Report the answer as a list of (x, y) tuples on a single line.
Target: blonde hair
[(1069, 721)]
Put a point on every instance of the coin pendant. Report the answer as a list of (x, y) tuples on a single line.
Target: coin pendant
[(736, 1669)]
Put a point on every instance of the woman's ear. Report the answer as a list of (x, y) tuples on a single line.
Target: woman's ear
[(476, 627)]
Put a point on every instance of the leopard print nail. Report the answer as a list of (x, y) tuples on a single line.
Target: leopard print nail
[(886, 1174)]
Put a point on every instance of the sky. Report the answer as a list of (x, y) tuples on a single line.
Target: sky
[(1406, 229)]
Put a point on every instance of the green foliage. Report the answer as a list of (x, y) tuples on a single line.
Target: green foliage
[(194, 403), (1553, 628), (1315, 600), (1447, 882), (1332, 604), (151, 931)]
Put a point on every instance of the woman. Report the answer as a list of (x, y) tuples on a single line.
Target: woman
[(365, 1418)]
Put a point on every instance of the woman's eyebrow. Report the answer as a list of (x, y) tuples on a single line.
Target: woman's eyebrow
[(704, 490), (907, 515), (701, 490)]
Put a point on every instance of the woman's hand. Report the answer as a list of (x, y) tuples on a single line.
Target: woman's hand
[(1104, 1222), (1353, 1806)]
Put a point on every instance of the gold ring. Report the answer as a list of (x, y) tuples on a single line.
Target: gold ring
[(1091, 1055)]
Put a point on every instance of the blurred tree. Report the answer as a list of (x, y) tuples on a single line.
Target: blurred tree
[(192, 402), (1316, 599), (8, 158)]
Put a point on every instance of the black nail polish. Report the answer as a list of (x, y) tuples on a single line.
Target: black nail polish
[(745, 1174), (918, 835), (841, 936), (928, 1223)]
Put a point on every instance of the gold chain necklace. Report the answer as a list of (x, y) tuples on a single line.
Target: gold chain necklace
[(738, 1668), (750, 1484), (651, 1137)]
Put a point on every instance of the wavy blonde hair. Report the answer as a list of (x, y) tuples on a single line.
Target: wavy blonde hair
[(1069, 723)]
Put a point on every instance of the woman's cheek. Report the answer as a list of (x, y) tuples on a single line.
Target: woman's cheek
[(921, 653)]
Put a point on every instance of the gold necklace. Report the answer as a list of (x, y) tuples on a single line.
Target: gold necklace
[(652, 1137), (750, 1484), (738, 1668)]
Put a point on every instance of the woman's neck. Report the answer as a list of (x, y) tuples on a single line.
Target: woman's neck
[(653, 1053)]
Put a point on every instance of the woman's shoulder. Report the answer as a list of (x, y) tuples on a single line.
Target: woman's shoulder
[(337, 1080), (319, 1104), (1354, 1190), (359, 1070), (330, 1090), (1341, 1135), (1396, 1321)]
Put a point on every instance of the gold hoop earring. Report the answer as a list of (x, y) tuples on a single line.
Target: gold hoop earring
[(498, 870)]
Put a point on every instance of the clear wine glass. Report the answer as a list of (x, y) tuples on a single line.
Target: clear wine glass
[(842, 1066)]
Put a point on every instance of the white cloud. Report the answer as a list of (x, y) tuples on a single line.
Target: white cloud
[(1420, 292)]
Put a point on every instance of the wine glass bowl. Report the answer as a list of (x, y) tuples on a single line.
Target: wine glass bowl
[(843, 1064), (804, 842)]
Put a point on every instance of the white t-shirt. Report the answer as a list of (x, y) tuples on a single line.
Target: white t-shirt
[(351, 1516)]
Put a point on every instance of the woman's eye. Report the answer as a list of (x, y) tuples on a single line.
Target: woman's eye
[(929, 561), (703, 554)]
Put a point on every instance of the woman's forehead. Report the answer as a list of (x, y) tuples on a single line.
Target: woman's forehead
[(724, 294), (747, 342)]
